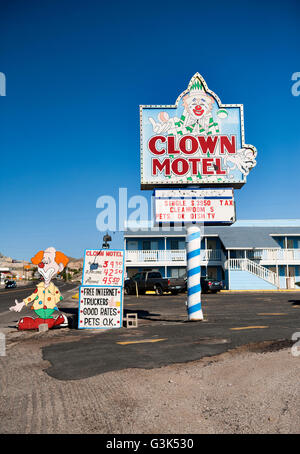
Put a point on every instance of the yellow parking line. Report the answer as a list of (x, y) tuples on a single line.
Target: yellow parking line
[(272, 313), (143, 341), (248, 327)]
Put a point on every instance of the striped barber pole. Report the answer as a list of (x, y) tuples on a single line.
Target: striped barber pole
[(193, 273)]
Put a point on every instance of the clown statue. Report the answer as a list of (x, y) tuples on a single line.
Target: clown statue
[(196, 118), (46, 296)]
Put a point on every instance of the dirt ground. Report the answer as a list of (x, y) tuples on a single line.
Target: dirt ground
[(237, 392)]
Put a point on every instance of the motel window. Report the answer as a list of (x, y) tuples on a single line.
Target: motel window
[(150, 245), (178, 272), (177, 244), (154, 245), (132, 245), (211, 243), (174, 245), (146, 245)]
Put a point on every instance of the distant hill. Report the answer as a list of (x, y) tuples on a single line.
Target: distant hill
[(9, 261), (75, 264)]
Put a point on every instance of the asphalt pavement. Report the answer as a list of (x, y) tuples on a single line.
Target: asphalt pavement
[(164, 336)]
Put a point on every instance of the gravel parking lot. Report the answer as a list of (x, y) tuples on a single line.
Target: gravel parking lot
[(248, 389)]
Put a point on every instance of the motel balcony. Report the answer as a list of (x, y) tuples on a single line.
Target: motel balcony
[(171, 257), (269, 256)]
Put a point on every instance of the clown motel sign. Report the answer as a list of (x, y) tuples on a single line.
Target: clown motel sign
[(197, 141), (214, 206), (100, 307), (101, 292)]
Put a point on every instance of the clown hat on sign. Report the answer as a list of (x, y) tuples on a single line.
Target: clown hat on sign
[(196, 88)]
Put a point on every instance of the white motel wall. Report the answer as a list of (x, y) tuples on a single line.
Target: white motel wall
[(248, 255)]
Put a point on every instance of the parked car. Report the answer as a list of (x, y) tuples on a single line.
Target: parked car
[(209, 285), (153, 280), (10, 284)]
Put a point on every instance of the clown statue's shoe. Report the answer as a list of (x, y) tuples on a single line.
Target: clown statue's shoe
[(29, 323), (61, 321)]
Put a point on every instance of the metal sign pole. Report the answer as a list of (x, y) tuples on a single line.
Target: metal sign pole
[(194, 272)]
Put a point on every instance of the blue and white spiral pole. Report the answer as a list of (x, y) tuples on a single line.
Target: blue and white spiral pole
[(194, 306)]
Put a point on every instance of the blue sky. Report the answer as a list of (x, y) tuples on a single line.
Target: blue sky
[(76, 73)]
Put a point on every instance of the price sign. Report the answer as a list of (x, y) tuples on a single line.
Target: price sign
[(103, 267)]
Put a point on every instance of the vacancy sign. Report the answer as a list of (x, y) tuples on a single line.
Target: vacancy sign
[(103, 267), (195, 205), (100, 307)]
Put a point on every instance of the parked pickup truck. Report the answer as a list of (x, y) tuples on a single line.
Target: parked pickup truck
[(153, 280)]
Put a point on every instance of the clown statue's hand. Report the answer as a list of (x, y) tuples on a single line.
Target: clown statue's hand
[(17, 307)]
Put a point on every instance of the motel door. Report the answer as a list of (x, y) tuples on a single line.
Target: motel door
[(290, 280), (212, 272), (290, 251)]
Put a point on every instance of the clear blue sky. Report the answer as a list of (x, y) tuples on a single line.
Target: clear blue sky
[(76, 73)]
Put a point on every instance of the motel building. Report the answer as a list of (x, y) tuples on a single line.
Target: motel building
[(248, 255)]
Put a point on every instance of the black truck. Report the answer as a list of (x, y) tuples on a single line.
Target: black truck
[(153, 280)]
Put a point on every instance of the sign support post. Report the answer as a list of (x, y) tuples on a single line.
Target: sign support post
[(194, 306)]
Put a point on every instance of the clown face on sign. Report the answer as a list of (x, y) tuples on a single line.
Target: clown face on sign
[(196, 118), (45, 298), (198, 106)]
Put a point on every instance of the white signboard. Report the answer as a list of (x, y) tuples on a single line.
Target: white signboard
[(103, 267), (100, 307), (195, 205)]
